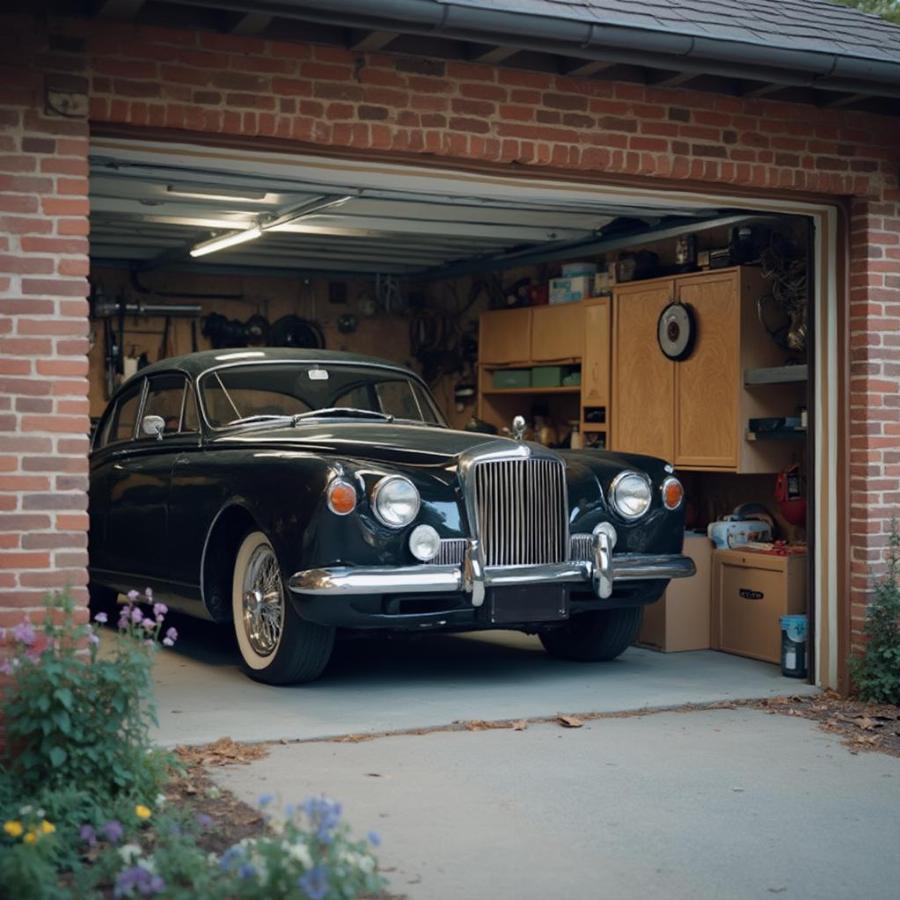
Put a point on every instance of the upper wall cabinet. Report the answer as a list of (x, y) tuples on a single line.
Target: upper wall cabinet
[(557, 332), (694, 412), (504, 336)]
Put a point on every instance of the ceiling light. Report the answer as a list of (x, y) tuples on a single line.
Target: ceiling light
[(215, 192), (226, 240)]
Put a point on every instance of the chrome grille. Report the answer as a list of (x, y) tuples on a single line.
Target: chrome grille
[(581, 547), (521, 511), (452, 552)]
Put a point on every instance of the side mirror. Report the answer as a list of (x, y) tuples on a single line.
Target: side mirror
[(153, 425)]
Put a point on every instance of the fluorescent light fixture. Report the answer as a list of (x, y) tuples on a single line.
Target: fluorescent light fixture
[(226, 240), (215, 192)]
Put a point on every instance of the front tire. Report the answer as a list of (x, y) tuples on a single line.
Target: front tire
[(594, 636), (277, 646)]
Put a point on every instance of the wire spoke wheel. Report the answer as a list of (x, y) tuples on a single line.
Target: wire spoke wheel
[(263, 601)]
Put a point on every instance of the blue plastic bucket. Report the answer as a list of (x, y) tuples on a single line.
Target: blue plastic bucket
[(793, 646)]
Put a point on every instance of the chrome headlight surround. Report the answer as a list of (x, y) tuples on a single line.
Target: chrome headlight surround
[(630, 494), (395, 501)]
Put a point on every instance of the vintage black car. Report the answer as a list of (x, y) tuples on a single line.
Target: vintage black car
[(297, 492)]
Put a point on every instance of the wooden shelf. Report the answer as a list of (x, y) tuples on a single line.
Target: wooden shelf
[(776, 375), (571, 389), (594, 426), (786, 435)]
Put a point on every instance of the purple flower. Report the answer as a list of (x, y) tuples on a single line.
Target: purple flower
[(324, 814), (171, 637), (374, 838), (264, 800), (113, 831), (232, 855), (132, 596), (314, 883), (160, 610), (148, 624), (8, 666), (148, 593), (137, 616), (93, 638), (138, 879), (24, 633), (247, 870), (101, 617), (204, 821), (88, 835)]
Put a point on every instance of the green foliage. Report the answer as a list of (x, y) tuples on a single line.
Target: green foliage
[(876, 673), (74, 717), (887, 9)]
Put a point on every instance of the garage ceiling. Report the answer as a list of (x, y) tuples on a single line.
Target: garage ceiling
[(150, 204)]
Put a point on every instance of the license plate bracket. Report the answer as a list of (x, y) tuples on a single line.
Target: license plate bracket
[(528, 603)]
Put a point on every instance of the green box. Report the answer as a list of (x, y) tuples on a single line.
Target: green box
[(512, 378), (546, 376)]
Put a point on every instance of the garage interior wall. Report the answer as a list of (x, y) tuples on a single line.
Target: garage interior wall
[(220, 87)]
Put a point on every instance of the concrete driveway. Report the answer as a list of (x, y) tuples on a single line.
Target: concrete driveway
[(381, 685), (728, 803)]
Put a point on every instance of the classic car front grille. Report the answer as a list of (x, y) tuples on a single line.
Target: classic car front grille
[(521, 511), (581, 547), (452, 552)]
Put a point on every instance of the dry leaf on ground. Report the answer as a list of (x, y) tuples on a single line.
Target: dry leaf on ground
[(570, 721), (223, 752)]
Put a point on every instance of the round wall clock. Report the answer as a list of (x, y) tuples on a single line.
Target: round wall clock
[(676, 331)]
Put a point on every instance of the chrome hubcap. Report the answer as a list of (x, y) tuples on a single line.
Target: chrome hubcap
[(263, 597)]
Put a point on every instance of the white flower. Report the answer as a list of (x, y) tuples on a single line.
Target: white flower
[(212, 859), (300, 853), (160, 800), (129, 853), (367, 863)]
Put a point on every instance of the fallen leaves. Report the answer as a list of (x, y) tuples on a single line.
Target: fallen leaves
[(569, 721), (223, 752)]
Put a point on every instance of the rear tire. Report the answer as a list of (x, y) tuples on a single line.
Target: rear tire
[(277, 646), (594, 636)]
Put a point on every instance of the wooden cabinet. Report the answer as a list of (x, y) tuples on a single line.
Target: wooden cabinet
[(694, 412), (595, 360), (504, 336), (557, 332), (643, 379)]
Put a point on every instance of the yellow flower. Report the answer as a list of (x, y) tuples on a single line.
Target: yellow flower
[(31, 837), (47, 827), (13, 828), (141, 811)]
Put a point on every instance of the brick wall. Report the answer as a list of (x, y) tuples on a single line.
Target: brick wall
[(319, 96), (43, 323)]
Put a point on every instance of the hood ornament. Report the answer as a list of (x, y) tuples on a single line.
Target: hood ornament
[(518, 428)]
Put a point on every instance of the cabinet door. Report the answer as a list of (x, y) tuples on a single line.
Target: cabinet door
[(595, 361), (643, 378), (707, 383), (504, 336), (557, 332)]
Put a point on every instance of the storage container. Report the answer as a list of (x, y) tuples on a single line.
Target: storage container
[(546, 376), (574, 269), (750, 593), (512, 378), (571, 290)]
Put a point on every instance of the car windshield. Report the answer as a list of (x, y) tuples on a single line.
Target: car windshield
[(303, 392)]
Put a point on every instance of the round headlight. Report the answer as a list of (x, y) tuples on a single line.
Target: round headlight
[(395, 501), (631, 494), (424, 543)]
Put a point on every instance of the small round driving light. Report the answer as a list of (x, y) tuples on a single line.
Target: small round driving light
[(424, 543), (631, 494), (672, 493), (395, 501), (341, 497)]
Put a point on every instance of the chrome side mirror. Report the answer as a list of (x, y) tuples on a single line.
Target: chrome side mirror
[(153, 425)]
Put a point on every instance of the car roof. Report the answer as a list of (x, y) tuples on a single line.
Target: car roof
[(197, 363)]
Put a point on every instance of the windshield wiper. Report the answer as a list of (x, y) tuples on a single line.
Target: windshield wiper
[(345, 412), (261, 417)]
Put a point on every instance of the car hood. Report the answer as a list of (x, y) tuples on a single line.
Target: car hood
[(381, 441)]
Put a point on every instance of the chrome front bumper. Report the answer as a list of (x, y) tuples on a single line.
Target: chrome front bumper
[(601, 572)]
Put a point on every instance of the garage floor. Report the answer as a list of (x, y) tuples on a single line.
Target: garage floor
[(387, 685), (727, 803)]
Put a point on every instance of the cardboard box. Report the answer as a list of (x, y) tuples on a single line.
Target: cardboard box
[(571, 290), (680, 620), (750, 592)]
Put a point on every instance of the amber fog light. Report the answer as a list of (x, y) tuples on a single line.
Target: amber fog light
[(424, 543), (341, 496), (672, 493)]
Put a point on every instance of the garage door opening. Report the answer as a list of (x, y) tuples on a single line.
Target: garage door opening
[(634, 320)]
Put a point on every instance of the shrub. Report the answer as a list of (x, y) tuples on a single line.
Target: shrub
[(75, 717), (876, 672)]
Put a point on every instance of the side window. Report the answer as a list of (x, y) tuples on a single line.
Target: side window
[(189, 420), (425, 403), (165, 398), (123, 420)]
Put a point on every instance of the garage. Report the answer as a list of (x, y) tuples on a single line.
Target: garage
[(560, 302)]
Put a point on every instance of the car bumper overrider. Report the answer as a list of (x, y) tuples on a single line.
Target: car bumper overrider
[(602, 572)]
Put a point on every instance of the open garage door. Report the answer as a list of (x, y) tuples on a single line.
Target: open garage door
[(402, 261)]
